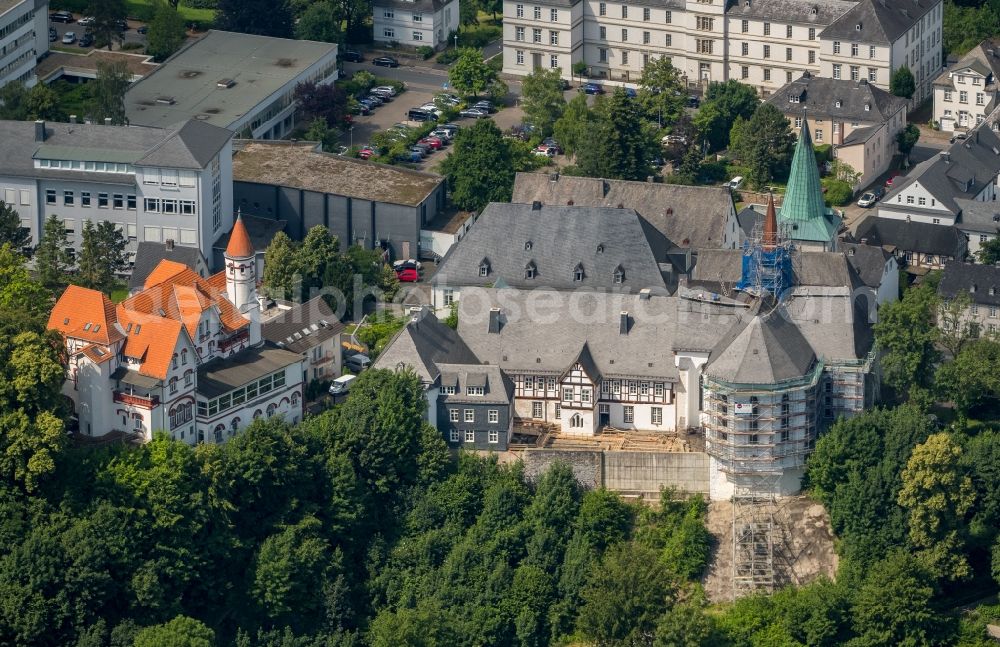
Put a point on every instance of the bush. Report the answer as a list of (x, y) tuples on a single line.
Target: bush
[(448, 56), (824, 153), (425, 51), (127, 47), (200, 4), (838, 193), (713, 172)]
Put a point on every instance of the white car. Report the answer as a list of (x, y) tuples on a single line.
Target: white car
[(85, 21), (735, 183), (431, 108), (387, 89), (69, 38), (867, 199)]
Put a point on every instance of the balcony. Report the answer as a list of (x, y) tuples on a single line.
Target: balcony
[(145, 402), (234, 341)]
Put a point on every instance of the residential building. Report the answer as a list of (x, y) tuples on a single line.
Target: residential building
[(954, 189), (877, 37), (859, 120), (981, 285), (184, 355), (24, 39), (311, 329), (689, 217), (765, 44), (966, 92), (243, 82), (363, 203), (919, 246), (877, 268), (804, 218), (148, 256), (563, 248), (154, 184), (415, 23)]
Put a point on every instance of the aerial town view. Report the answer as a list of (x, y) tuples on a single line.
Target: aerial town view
[(499, 323)]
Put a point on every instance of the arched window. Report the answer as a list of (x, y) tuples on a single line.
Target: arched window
[(295, 398), (271, 408), (188, 377), (578, 272), (173, 418), (174, 361), (576, 420), (184, 356), (217, 432), (619, 275), (233, 426), (530, 270), (173, 385), (257, 414)]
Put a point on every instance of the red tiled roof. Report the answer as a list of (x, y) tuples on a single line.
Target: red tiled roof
[(151, 339), (96, 353), (85, 314), (164, 271), (239, 241)]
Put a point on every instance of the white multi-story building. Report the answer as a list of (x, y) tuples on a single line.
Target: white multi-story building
[(154, 184), (243, 82), (966, 92), (415, 22), (24, 38), (184, 356), (765, 44)]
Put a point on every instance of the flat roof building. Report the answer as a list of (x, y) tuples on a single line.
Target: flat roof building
[(362, 203), (242, 82), (24, 39)]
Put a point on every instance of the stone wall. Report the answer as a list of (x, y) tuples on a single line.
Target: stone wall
[(628, 472)]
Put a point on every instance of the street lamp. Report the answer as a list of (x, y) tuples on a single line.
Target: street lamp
[(351, 130), (456, 41)]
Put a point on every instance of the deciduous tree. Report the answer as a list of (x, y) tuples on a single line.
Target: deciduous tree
[(470, 75), (661, 94), (542, 99), (263, 17), (113, 79), (280, 268), (166, 31), (11, 231), (989, 252), (321, 22), (182, 631), (723, 103), (902, 83), (106, 15), (894, 605), (906, 334), (764, 144), (480, 168)]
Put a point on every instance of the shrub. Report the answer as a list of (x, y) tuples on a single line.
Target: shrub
[(448, 56), (200, 4), (824, 153), (126, 47), (425, 51), (838, 193), (712, 172)]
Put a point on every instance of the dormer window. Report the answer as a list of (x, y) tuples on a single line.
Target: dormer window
[(993, 291), (619, 275), (474, 390), (530, 270), (578, 272), (484, 267), (793, 98), (838, 104), (600, 249), (857, 27), (815, 10), (868, 107), (972, 288), (527, 245)]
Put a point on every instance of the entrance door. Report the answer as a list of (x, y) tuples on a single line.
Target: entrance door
[(705, 70), (603, 416)]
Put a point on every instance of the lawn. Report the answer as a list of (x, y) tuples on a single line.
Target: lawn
[(141, 10), (119, 294)]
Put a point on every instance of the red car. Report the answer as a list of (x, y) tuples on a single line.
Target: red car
[(892, 176), (365, 153), (433, 142), (408, 275)]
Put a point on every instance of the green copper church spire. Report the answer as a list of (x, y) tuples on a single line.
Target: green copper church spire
[(804, 215)]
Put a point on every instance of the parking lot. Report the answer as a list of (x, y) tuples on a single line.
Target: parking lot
[(130, 35), (422, 83)]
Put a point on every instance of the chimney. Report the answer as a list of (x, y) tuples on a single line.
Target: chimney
[(170, 244), (72, 119), (864, 241), (946, 156), (494, 321), (40, 130), (107, 121), (623, 323), (87, 121), (649, 178), (536, 205), (417, 313)]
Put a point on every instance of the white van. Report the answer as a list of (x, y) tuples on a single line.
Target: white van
[(358, 362), (342, 384)]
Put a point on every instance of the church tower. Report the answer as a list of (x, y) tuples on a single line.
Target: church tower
[(241, 277), (804, 216)]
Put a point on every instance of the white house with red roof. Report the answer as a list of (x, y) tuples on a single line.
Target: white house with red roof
[(185, 355)]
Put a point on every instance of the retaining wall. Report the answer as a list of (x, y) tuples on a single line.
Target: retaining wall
[(632, 472)]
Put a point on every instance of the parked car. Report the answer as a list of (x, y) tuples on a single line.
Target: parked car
[(552, 143), (342, 384), (474, 113), (385, 89), (144, 29), (544, 151), (381, 94), (366, 152), (419, 150), (351, 55), (892, 176), (408, 275), (413, 156), (443, 134), (957, 137), (374, 98), (433, 109), (592, 88), (87, 40), (358, 362), (735, 183), (670, 140), (61, 16), (69, 38), (385, 61), (867, 199), (435, 143), (564, 85), (631, 93), (485, 105), (693, 101), (454, 128), (450, 99), (53, 35), (417, 114), (342, 150), (408, 262), (363, 109), (86, 21)]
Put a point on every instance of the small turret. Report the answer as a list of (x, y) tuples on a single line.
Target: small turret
[(241, 276)]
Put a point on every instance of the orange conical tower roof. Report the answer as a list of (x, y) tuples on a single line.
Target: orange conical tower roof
[(770, 239), (239, 241)]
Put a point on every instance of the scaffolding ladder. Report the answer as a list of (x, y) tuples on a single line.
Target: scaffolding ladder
[(756, 535)]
